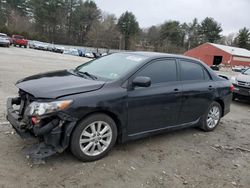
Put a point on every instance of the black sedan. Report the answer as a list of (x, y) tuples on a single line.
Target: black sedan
[(117, 98)]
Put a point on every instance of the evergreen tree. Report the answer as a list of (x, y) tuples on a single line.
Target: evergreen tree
[(243, 38), (210, 30), (128, 26)]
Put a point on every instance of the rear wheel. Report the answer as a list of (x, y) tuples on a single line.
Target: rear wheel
[(212, 117), (93, 137), (25, 46)]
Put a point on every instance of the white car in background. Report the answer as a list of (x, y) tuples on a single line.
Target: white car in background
[(4, 40), (89, 55), (31, 43), (40, 45), (59, 49), (71, 51)]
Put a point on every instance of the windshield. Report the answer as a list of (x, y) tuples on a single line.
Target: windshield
[(18, 37), (247, 72), (3, 36), (112, 67)]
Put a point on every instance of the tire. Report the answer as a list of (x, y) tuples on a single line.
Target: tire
[(25, 46), (20, 46), (213, 113), (92, 141)]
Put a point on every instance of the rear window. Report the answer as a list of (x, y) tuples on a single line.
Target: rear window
[(3, 36), (18, 37), (191, 71)]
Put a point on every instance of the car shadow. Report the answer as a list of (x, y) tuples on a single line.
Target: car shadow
[(243, 102), (67, 156)]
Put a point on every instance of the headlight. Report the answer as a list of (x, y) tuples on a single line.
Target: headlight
[(233, 80), (42, 108)]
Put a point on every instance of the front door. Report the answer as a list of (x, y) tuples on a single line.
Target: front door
[(155, 107)]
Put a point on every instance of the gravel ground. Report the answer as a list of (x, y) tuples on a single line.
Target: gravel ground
[(185, 158)]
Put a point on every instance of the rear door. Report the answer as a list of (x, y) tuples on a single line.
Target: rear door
[(157, 106), (197, 90)]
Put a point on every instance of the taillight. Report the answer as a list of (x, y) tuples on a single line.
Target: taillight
[(231, 87)]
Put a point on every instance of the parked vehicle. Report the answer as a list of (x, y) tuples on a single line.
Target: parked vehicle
[(215, 67), (117, 98), (71, 51), (97, 55), (51, 47), (40, 45), (104, 54), (89, 55), (58, 49), (4, 40), (81, 52), (241, 84), (19, 40), (238, 68), (31, 43)]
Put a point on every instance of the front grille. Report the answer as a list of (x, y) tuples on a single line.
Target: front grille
[(244, 84)]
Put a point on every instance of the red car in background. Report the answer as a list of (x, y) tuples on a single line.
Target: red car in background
[(19, 40)]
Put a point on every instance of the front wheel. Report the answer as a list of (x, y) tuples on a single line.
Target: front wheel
[(212, 117), (93, 137)]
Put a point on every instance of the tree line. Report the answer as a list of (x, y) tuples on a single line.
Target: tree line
[(78, 22)]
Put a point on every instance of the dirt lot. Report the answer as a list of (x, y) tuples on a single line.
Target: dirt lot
[(186, 158)]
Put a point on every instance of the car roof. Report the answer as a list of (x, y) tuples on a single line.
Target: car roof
[(17, 35), (3, 34), (154, 55)]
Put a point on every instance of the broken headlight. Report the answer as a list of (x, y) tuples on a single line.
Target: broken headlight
[(44, 108)]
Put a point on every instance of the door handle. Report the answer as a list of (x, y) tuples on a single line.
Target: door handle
[(210, 87), (176, 90)]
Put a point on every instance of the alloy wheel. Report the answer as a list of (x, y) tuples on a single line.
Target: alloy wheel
[(95, 138), (213, 117)]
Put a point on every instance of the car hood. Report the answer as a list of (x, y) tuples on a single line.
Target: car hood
[(243, 78), (57, 84)]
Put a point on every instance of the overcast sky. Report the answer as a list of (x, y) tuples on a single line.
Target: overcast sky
[(232, 14)]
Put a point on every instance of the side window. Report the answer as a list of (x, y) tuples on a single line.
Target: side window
[(160, 71), (206, 75), (191, 71)]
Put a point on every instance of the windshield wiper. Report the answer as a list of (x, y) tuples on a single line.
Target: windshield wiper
[(86, 74)]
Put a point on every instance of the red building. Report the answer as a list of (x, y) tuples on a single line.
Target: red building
[(215, 54)]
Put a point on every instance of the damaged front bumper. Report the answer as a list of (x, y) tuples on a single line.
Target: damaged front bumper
[(53, 132)]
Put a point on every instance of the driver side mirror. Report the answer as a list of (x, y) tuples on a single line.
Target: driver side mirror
[(141, 81)]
